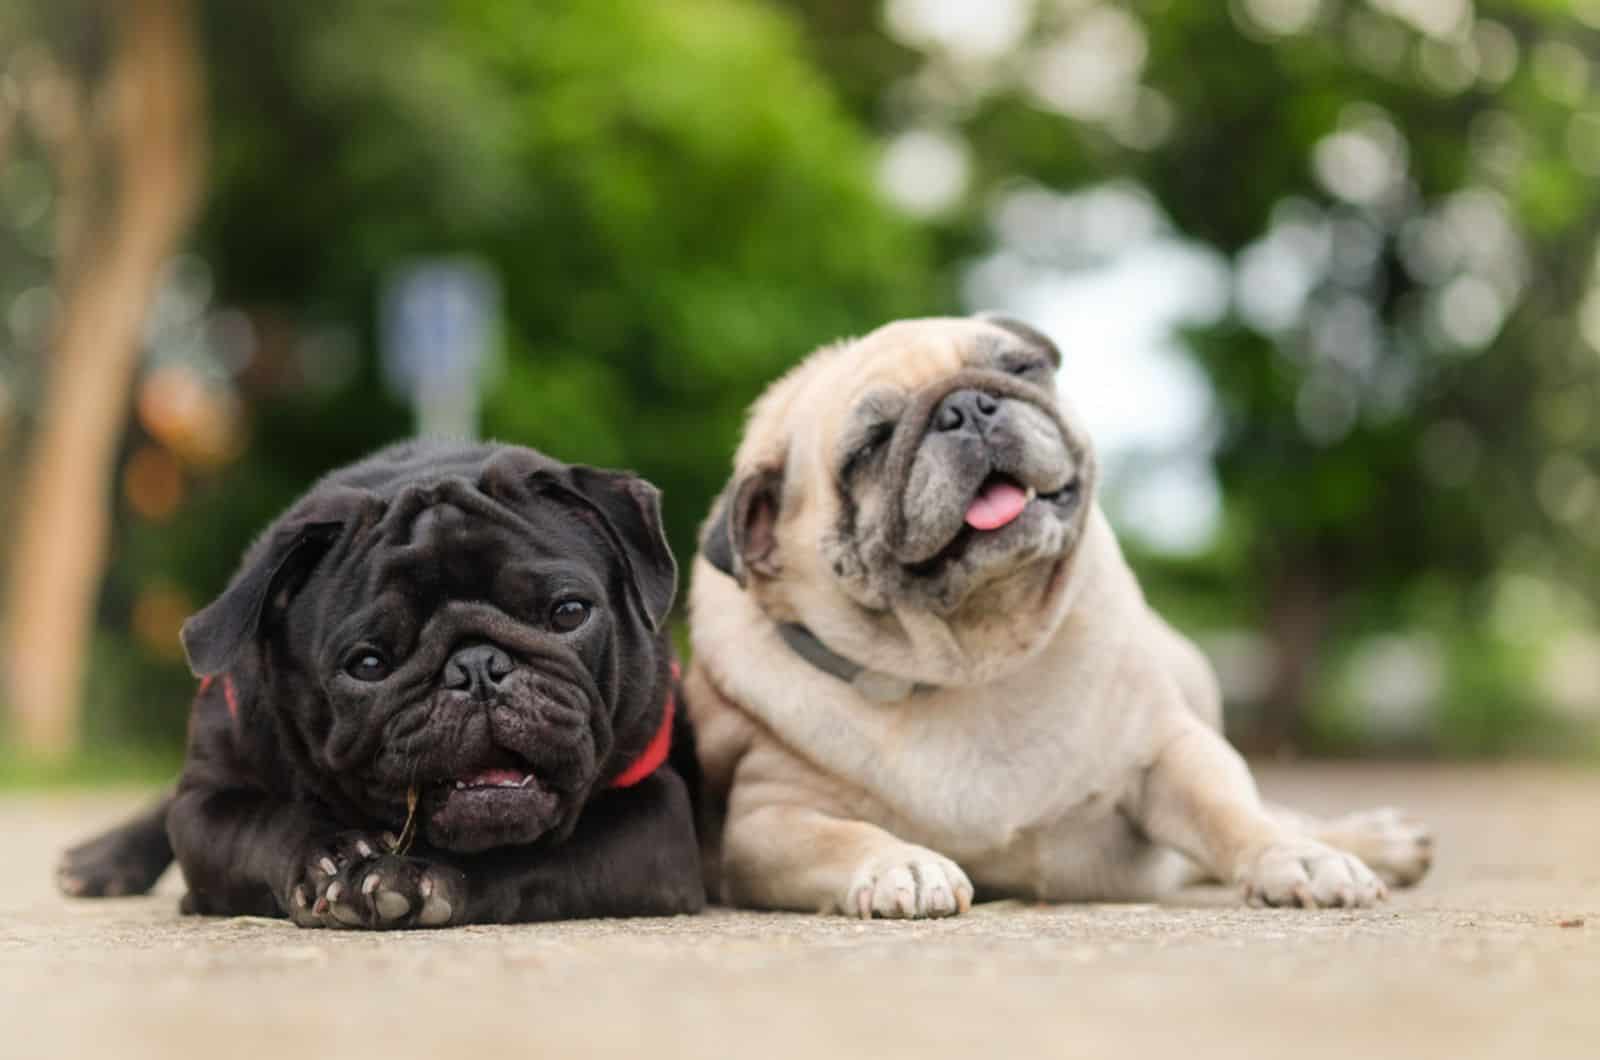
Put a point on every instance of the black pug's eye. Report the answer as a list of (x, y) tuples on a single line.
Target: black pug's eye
[(368, 665), (568, 615)]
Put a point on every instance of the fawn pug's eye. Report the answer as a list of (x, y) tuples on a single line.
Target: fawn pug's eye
[(869, 446)]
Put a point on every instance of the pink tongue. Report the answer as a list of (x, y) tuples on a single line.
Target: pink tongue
[(491, 777), (999, 504)]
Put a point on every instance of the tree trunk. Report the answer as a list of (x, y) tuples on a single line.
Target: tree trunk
[(153, 125), (1298, 611)]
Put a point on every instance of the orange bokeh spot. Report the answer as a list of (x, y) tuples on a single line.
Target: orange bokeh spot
[(153, 484), (198, 422)]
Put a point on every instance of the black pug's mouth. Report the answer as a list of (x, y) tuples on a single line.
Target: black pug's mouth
[(999, 502), (489, 806)]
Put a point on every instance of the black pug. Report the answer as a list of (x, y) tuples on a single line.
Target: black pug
[(438, 691)]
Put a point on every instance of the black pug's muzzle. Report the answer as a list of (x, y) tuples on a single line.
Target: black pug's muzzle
[(501, 737), (523, 747), (978, 457)]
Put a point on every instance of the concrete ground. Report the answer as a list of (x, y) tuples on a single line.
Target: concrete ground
[(1496, 954)]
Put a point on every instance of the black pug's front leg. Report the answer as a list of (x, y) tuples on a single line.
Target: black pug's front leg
[(244, 852), (634, 853)]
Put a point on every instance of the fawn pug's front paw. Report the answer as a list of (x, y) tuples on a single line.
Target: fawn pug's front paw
[(1310, 875), (907, 882)]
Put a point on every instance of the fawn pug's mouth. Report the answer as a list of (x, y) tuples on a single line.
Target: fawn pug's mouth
[(1000, 507)]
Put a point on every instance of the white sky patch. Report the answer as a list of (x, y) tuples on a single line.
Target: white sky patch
[(968, 29), (924, 171), (1436, 18), (1089, 72), (1469, 312), (1354, 165), (1276, 273), (1282, 17)]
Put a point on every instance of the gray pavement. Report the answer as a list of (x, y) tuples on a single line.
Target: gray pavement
[(1496, 954)]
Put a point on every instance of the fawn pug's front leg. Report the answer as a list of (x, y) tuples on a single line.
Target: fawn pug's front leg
[(1198, 796)]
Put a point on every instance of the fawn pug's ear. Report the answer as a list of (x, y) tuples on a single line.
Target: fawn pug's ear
[(740, 537), (1026, 332)]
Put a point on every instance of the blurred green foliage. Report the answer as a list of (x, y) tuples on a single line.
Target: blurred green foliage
[(679, 200), (675, 203), (1425, 426)]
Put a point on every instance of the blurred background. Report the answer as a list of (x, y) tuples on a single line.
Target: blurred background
[(1324, 273)]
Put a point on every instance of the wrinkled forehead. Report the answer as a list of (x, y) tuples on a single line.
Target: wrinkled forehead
[(463, 545), (869, 377), (909, 355)]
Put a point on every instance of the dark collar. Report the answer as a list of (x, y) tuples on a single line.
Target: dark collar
[(870, 684)]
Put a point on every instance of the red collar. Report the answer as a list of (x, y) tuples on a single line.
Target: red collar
[(655, 752), (229, 693), (649, 760)]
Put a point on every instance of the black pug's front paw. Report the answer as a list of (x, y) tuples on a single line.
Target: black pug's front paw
[(354, 881)]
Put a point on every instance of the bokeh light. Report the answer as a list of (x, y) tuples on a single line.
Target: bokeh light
[(194, 418), (152, 483), (924, 171)]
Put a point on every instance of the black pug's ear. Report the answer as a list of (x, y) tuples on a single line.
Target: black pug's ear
[(212, 638), (740, 537), (629, 509), (1026, 332)]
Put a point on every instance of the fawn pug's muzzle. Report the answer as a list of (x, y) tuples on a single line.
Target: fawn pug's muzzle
[(978, 459)]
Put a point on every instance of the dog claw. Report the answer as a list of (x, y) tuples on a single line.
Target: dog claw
[(328, 867), (364, 849), (371, 884)]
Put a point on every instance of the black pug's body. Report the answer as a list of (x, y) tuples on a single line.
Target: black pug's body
[(473, 629)]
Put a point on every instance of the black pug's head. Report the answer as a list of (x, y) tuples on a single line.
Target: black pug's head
[(480, 624)]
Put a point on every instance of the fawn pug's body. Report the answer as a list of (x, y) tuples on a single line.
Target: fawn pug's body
[(922, 669)]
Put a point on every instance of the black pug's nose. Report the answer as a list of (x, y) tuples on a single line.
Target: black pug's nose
[(968, 411), (477, 670)]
